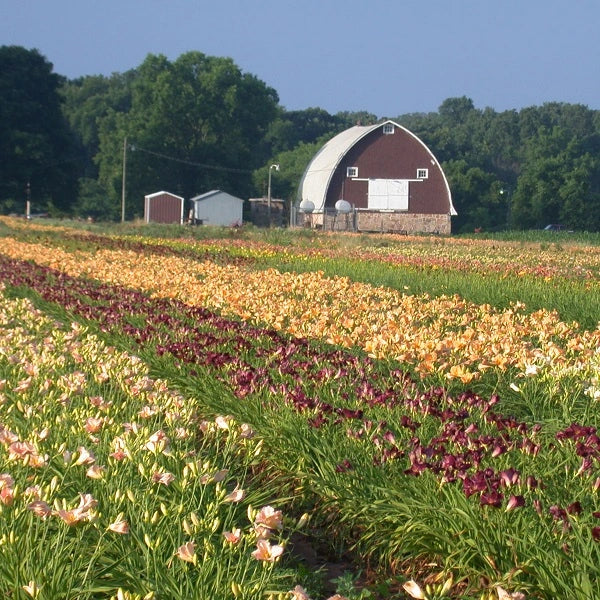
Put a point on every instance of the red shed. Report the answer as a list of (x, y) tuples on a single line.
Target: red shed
[(390, 177), (163, 207)]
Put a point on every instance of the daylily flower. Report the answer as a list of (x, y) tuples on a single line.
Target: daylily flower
[(85, 457), (299, 593), (187, 552), (93, 424), (269, 517), (20, 450), (119, 526), (237, 495), (413, 589), (95, 472), (267, 552), (158, 441), (222, 422), (515, 502), (246, 431), (504, 595), (32, 589), (163, 478), (233, 537), (262, 532), (40, 509), (6, 480), (7, 496)]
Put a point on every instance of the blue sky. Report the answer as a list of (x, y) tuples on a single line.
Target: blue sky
[(388, 57)]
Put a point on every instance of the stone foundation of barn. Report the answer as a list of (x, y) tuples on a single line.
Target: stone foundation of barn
[(369, 221)]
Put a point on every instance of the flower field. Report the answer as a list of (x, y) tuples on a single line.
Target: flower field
[(175, 414)]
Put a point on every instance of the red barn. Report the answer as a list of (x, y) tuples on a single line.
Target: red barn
[(386, 173), (163, 207)]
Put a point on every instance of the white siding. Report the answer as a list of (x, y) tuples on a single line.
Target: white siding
[(218, 208)]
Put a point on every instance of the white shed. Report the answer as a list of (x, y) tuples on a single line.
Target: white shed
[(217, 208)]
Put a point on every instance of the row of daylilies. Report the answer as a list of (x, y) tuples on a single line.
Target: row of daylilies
[(110, 482), (549, 260), (444, 335)]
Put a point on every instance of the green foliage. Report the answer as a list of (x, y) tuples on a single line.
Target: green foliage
[(199, 123), (36, 145)]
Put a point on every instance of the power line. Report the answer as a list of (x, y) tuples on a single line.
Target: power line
[(188, 162)]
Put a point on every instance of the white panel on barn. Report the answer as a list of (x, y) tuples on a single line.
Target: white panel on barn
[(388, 194)]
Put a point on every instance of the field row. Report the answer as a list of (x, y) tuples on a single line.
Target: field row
[(445, 335)]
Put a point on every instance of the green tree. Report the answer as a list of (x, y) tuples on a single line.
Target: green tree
[(476, 197), (291, 128), (194, 125), (35, 141), (86, 100)]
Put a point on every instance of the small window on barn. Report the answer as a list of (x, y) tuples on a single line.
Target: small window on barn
[(388, 128), (422, 173), (351, 171)]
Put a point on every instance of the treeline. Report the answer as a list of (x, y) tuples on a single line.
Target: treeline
[(199, 123)]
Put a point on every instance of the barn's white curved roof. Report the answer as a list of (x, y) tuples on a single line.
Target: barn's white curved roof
[(317, 175)]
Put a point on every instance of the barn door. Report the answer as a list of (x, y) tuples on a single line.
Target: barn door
[(388, 194)]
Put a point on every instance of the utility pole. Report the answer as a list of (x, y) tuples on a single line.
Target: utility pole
[(123, 180), (276, 167), (28, 201)]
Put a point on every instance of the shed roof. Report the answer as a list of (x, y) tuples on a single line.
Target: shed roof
[(212, 193), (161, 194), (318, 174)]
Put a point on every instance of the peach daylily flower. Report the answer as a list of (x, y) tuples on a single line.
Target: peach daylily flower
[(40, 509), (504, 595), (33, 491), (262, 532), (93, 424), (163, 478), (299, 593), (37, 460), (20, 450), (233, 537), (237, 495), (6, 480), (95, 472), (264, 551), (146, 412), (222, 422), (246, 431), (187, 552), (7, 496), (119, 526), (158, 441), (44, 434), (87, 502), (7, 436), (85, 457), (70, 517), (269, 517)]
